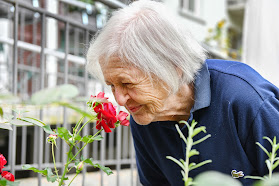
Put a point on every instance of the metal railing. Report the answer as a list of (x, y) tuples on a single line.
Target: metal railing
[(26, 58)]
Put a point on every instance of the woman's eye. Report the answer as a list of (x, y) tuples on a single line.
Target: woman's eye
[(127, 84)]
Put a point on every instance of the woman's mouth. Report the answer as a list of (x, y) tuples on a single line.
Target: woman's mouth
[(134, 109)]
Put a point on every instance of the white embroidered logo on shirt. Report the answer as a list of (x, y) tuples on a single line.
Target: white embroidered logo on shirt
[(236, 174)]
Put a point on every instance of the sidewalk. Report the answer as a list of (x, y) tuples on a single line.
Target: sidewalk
[(91, 179)]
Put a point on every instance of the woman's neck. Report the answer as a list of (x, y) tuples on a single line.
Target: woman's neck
[(177, 107)]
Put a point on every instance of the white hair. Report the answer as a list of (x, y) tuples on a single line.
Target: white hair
[(146, 36)]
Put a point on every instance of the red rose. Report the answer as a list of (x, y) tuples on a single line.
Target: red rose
[(100, 98), (3, 162), (106, 116), (8, 176), (122, 117)]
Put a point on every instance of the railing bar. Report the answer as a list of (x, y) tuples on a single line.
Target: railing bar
[(12, 141), (49, 14), (102, 156), (85, 151), (118, 152), (66, 66), (23, 144), (42, 85), (111, 145), (112, 3), (132, 156), (95, 145), (125, 143), (22, 33), (36, 48), (86, 73), (60, 165)]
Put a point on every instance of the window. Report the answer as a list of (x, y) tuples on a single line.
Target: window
[(191, 6), (191, 9)]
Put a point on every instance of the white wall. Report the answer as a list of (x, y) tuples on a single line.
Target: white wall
[(211, 11)]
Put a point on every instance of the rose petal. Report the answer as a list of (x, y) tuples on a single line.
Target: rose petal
[(8, 176)]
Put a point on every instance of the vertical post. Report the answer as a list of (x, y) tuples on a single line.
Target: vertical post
[(118, 151), (85, 94), (12, 138), (42, 79), (66, 66)]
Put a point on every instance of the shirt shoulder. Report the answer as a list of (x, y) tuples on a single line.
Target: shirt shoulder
[(240, 78)]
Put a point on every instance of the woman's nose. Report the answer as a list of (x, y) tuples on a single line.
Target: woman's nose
[(121, 96)]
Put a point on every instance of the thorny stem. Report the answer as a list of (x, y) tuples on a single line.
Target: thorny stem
[(69, 161), (83, 147), (188, 149), (271, 161), (66, 167), (84, 125), (73, 179), (53, 157)]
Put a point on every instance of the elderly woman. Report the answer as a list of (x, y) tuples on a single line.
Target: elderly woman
[(160, 74)]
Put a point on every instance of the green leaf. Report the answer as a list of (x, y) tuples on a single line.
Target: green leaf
[(46, 172), (201, 140), (264, 149), (107, 170), (186, 123), (47, 129), (180, 133), (194, 123), (275, 164), (268, 139), (254, 177), (9, 183), (1, 112), (89, 139), (192, 164), (215, 178), (176, 161), (77, 109), (6, 126), (268, 164), (50, 176), (29, 167), (189, 181), (34, 121), (64, 133), (98, 138), (56, 94), (193, 152), (200, 164), (77, 137), (198, 130), (277, 147)]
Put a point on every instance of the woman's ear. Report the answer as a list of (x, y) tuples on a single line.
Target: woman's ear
[(179, 72)]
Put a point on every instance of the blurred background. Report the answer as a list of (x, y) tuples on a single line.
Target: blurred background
[(43, 44)]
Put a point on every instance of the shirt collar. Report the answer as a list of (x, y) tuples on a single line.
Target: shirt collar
[(202, 89)]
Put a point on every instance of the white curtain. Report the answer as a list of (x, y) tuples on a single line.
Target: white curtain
[(261, 38)]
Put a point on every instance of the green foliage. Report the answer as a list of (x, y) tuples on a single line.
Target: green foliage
[(46, 172), (61, 96), (185, 164), (274, 181), (55, 94), (5, 182), (272, 162), (215, 178), (105, 169)]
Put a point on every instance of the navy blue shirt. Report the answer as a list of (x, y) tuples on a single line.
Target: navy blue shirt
[(237, 106)]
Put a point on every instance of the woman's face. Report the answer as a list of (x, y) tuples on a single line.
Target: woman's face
[(132, 89)]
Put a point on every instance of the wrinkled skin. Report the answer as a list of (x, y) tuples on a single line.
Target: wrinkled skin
[(146, 100)]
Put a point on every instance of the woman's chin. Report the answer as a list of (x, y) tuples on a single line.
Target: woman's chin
[(142, 120)]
